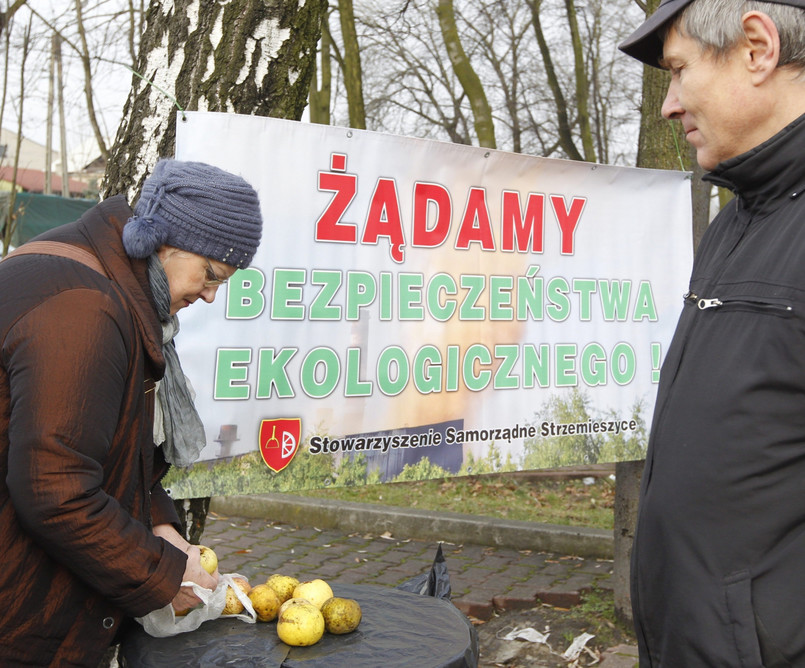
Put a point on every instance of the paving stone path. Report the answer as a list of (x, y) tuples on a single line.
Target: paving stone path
[(482, 578)]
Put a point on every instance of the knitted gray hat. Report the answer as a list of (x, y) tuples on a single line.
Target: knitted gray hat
[(198, 208)]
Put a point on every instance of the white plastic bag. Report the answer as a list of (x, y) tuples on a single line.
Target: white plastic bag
[(164, 622)]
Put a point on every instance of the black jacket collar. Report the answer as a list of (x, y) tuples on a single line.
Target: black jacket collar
[(768, 174)]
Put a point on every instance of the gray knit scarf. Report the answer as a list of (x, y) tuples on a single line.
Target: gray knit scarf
[(177, 425)]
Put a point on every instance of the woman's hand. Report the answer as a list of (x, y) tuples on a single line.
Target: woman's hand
[(194, 572)]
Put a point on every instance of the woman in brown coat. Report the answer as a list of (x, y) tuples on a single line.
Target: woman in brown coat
[(88, 536)]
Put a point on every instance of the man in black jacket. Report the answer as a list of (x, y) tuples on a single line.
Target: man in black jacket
[(717, 566)]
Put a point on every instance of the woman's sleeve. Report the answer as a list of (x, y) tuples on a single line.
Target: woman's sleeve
[(163, 511), (67, 363)]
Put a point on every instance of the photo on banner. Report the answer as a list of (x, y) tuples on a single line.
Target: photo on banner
[(420, 309)]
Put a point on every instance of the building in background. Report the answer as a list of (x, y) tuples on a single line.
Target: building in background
[(33, 211), (31, 168)]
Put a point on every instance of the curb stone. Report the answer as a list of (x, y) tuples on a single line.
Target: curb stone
[(622, 656), (420, 524)]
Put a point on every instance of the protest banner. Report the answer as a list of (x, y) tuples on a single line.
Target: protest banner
[(419, 309)]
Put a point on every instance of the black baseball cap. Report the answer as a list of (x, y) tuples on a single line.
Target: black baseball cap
[(645, 43)]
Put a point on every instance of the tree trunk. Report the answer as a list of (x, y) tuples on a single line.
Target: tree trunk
[(321, 85), (700, 199), (468, 78), (656, 145), (89, 97), (10, 222), (193, 517), (661, 146), (627, 491), (65, 172), (582, 84), (353, 76), (243, 56), (563, 121), (48, 189), (5, 218)]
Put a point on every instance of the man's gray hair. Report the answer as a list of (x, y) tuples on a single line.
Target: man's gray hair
[(716, 26)]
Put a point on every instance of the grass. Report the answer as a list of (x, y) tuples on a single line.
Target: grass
[(576, 502), (599, 606)]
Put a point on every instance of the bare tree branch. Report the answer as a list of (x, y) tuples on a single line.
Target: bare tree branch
[(6, 16), (88, 93)]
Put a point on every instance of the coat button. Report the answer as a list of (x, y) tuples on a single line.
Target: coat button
[(108, 622)]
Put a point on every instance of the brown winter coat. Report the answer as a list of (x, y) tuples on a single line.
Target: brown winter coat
[(79, 475)]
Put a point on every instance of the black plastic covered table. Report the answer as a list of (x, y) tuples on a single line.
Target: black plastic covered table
[(398, 630)]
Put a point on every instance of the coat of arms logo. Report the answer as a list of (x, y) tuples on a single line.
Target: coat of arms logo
[(279, 441)]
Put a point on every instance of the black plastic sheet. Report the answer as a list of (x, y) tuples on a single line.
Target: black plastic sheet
[(399, 629), (436, 582)]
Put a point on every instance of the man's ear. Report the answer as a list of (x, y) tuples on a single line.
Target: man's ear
[(762, 46)]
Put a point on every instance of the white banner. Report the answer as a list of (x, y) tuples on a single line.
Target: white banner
[(419, 308)]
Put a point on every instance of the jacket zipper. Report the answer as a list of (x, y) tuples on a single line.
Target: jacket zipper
[(704, 303)]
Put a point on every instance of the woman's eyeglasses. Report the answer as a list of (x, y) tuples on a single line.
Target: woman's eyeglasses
[(212, 279)]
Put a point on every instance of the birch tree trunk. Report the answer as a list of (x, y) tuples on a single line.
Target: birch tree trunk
[(242, 56)]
